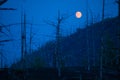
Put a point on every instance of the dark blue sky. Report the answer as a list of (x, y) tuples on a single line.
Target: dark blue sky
[(39, 10)]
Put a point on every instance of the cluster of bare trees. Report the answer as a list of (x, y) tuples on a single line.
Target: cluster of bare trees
[(60, 19), (102, 44), (57, 25)]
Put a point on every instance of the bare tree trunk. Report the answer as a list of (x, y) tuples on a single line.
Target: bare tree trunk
[(57, 55), (102, 48), (30, 48), (23, 43), (93, 41), (23, 40), (101, 60), (87, 37), (118, 1), (25, 35), (103, 9), (58, 45), (93, 45)]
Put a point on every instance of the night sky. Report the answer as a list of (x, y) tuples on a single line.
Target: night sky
[(39, 10)]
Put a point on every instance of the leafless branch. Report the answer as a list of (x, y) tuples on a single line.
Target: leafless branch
[(7, 9), (5, 40), (3, 1), (50, 23), (4, 33)]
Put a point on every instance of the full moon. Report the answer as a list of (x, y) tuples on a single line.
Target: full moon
[(78, 14)]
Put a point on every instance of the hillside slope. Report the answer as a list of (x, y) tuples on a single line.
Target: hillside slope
[(74, 49)]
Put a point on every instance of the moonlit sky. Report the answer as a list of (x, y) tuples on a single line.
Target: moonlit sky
[(39, 10)]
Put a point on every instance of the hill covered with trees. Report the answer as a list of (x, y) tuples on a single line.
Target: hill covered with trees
[(83, 48)]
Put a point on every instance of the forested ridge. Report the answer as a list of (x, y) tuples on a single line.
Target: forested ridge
[(73, 48)]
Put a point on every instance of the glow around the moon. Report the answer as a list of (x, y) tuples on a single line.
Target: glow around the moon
[(78, 14)]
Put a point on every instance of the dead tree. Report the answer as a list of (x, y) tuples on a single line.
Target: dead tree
[(103, 9), (30, 47), (23, 38), (87, 41), (93, 41), (57, 47), (102, 48), (57, 54), (31, 37)]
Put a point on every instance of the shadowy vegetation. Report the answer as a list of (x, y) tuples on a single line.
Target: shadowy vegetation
[(73, 47)]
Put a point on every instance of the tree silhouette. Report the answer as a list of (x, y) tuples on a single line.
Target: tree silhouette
[(103, 9), (57, 57)]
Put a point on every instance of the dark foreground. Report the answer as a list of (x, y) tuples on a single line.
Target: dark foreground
[(71, 73)]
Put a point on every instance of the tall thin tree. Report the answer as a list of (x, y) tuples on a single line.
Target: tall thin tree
[(102, 48), (30, 47), (23, 37), (57, 55), (103, 9), (87, 38)]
